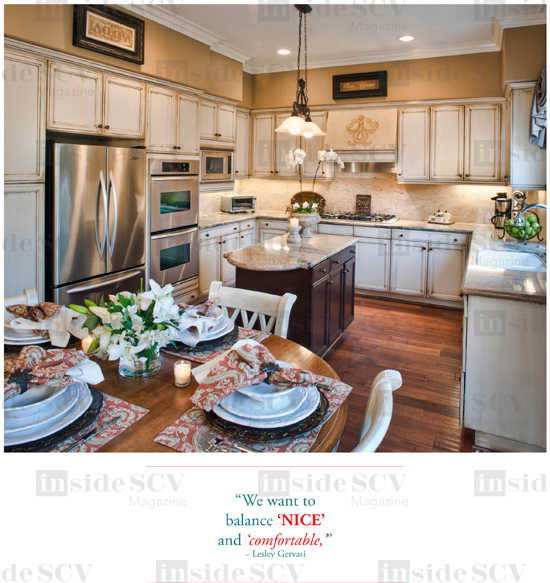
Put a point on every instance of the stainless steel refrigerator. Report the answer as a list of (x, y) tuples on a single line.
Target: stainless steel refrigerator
[(97, 221)]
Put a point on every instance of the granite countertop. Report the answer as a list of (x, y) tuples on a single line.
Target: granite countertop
[(279, 255), (218, 219)]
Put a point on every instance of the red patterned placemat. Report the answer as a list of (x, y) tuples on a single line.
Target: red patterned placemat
[(203, 356), (112, 407), (179, 435)]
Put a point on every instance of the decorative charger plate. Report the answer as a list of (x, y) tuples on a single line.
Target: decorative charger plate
[(253, 434)]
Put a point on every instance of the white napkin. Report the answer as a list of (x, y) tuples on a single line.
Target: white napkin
[(201, 326), (60, 327), (202, 371), (87, 372)]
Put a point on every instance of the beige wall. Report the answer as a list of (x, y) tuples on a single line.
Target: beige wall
[(523, 53), (477, 75), (247, 90), (169, 55)]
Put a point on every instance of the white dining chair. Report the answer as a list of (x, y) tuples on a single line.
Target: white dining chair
[(29, 297), (379, 411), (260, 305)]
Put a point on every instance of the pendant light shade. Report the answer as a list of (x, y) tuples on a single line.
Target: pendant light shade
[(293, 125), (313, 130)]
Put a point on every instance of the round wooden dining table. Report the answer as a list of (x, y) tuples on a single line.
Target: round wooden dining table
[(167, 403)]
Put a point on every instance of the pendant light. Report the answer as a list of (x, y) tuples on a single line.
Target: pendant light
[(299, 123)]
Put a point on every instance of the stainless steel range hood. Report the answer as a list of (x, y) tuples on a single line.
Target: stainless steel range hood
[(381, 161)]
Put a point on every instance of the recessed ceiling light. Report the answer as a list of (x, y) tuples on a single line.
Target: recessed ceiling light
[(406, 39), (283, 52)]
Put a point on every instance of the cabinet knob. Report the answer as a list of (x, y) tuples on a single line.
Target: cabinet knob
[(323, 270), (506, 178), (276, 172), (219, 242), (242, 236), (399, 174), (179, 148), (460, 175), (192, 297), (207, 235), (455, 240), (235, 229), (175, 147), (236, 171), (337, 262), (353, 251), (467, 175), (348, 270), (330, 282), (423, 248), (401, 235), (100, 125), (225, 241), (107, 127)]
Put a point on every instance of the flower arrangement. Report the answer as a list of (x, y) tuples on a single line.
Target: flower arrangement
[(295, 158), (131, 326)]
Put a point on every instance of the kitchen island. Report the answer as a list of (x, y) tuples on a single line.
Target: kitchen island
[(320, 271)]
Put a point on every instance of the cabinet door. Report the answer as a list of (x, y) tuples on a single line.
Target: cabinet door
[(226, 122), (262, 145), (482, 138), (23, 239), (414, 144), (209, 264), (123, 107), (247, 238), (188, 125), (408, 268), (161, 120), (75, 97), (319, 315), (208, 111), (311, 146), (373, 264), (266, 234), (283, 144), (446, 265), (348, 293), (25, 119), (335, 292), (241, 146), (447, 143), (229, 243)]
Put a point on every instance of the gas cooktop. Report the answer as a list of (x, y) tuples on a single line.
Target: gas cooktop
[(367, 218)]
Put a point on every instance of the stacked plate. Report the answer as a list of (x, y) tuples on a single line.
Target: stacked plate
[(42, 411), (264, 407), (21, 337), (224, 326)]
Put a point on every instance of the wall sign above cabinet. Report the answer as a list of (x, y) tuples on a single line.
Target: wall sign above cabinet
[(374, 84), (109, 31)]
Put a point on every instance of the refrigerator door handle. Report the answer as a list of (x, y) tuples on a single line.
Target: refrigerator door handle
[(112, 187), (101, 190), (77, 290)]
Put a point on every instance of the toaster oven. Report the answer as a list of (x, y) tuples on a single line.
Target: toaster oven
[(238, 203)]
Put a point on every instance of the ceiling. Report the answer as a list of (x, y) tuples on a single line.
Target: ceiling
[(343, 34)]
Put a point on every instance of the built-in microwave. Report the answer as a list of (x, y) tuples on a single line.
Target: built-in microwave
[(217, 165)]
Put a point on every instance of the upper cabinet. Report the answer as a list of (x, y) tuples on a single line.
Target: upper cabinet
[(263, 127), (217, 121), (447, 143), (482, 143), (25, 122), (414, 144), (87, 101), (188, 124), (242, 144)]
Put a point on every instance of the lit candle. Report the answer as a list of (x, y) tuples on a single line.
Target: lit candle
[(86, 343), (295, 223), (182, 372)]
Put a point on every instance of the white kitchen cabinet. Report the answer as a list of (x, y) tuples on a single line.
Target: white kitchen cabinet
[(263, 127), (226, 122), (229, 243), (188, 129), (208, 120), (25, 118), (217, 121), (74, 99), (527, 161), (123, 107), (447, 143), (414, 144), (161, 119), (242, 140), (209, 264), (373, 264), (409, 268), (283, 144), (24, 244), (247, 238), (482, 143), (312, 145), (446, 265)]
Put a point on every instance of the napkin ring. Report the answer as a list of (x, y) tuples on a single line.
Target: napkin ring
[(269, 368), (21, 378)]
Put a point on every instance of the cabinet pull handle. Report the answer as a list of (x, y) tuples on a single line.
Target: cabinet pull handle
[(107, 127), (353, 251), (99, 125)]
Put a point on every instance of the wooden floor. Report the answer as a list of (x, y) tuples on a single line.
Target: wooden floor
[(425, 345)]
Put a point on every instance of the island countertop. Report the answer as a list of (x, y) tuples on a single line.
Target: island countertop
[(279, 255)]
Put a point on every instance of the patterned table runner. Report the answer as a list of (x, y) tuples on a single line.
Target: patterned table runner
[(179, 435), (204, 356)]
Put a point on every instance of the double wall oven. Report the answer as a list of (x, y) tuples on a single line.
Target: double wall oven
[(174, 213)]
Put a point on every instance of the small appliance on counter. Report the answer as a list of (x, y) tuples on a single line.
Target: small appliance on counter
[(442, 218), (238, 203), (503, 211)]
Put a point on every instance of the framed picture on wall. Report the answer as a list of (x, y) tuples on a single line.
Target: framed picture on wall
[(356, 85), (109, 31)]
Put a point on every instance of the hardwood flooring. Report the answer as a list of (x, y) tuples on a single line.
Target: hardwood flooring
[(424, 344)]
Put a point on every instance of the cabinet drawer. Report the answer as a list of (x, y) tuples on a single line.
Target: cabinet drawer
[(319, 271), (373, 232), (430, 236), (207, 234), (335, 229), (247, 225), (274, 224), (339, 259)]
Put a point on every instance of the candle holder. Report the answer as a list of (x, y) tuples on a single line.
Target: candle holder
[(182, 373), (294, 236)]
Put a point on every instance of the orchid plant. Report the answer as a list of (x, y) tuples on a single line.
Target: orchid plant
[(132, 326), (295, 158)]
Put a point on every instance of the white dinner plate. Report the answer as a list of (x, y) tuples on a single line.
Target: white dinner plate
[(306, 408), (219, 325), (27, 342), (20, 334), (55, 409), (32, 401), (225, 330), (84, 400), (244, 406), (264, 392)]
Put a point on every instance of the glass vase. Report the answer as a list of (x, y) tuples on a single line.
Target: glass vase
[(137, 369)]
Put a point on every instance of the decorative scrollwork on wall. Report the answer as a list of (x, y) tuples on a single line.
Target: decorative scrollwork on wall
[(359, 132)]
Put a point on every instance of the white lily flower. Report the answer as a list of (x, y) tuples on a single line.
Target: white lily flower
[(116, 321), (104, 335), (124, 350), (102, 313), (137, 324)]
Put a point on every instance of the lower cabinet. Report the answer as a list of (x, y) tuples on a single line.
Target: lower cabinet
[(446, 265), (228, 244), (409, 268), (210, 260), (269, 229), (247, 238), (348, 292), (373, 264)]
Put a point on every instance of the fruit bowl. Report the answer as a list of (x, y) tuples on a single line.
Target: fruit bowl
[(527, 229)]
